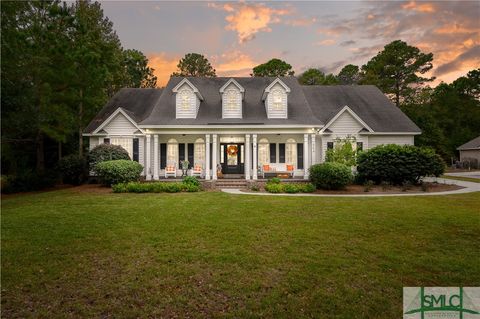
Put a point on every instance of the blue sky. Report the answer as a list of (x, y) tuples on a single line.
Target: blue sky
[(235, 36)]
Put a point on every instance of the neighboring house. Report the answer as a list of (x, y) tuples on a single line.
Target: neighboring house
[(246, 125), (470, 151)]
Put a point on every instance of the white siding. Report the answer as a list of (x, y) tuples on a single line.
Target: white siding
[(93, 141), (345, 124), (120, 125), (191, 112), (470, 154), (232, 113), (273, 112), (390, 139)]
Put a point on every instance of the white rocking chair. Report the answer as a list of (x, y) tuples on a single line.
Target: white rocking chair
[(197, 170), (171, 170)]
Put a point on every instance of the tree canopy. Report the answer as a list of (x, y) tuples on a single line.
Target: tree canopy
[(349, 74), (395, 70), (273, 68), (317, 77), (138, 73), (194, 64)]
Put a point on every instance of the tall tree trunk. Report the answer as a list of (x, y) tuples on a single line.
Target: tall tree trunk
[(39, 143), (80, 126), (59, 150)]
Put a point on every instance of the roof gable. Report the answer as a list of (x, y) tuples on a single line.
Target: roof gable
[(185, 81), (268, 88), (353, 114)]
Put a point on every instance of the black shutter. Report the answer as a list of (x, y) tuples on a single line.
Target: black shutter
[(281, 151), (106, 141), (273, 153), (299, 156), (135, 149), (163, 155), (359, 146), (211, 151), (190, 154), (181, 154), (330, 145)]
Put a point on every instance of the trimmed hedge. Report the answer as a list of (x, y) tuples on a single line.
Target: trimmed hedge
[(155, 187), (397, 164), (274, 187), (118, 171), (106, 152), (27, 181), (73, 169), (330, 175)]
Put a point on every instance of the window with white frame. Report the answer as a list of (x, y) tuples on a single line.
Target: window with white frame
[(185, 99), (263, 151), (277, 99), (291, 152), (126, 143), (231, 99), (199, 152), (172, 152)]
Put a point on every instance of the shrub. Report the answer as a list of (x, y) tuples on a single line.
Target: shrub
[(106, 152), (291, 188), (72, 168), (397, 164), (274, 188), (367, 186), (255, 187), (118, 171), (27, 181), (191, 180), (343, 152), (155, 187), (330, 175), (307, 188), (274, 180)]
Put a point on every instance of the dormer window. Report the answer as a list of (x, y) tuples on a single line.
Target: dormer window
[(232, 95), (275, 97), (187, 100)]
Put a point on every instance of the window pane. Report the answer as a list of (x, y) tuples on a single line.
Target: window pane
[(263, 154), (291, 153), (172, 154), (200, 154)]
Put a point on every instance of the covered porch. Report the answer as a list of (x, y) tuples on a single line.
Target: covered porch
[(229, 155)]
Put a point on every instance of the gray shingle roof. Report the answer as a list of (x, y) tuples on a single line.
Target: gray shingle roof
[(307, 105), (367, 101), (210, 112), (470, 145), (137, 103)]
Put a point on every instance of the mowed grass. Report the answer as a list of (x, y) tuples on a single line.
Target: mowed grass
[(208, 255)]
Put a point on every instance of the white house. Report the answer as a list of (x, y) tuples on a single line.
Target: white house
[(470, 151), (246, 126)]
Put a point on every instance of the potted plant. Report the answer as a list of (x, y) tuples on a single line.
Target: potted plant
[(185, 165)]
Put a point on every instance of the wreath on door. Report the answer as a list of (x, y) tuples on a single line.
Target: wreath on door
[(232, 150)]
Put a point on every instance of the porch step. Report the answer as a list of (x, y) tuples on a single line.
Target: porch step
[(238, 183)]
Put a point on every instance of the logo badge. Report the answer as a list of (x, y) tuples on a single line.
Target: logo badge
[(441, 302)]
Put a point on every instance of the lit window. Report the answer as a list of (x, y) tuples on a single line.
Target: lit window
[(291, 152), (277, 98), (199, 151), (185, 99), (172, 152), (263, 151), (231, 97)]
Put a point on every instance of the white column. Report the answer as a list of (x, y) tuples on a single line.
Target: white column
[(207, 156), (155, 157), (214, 156), (305, 156), (255, 165), (148, 146), (246, 163), (314, 150)]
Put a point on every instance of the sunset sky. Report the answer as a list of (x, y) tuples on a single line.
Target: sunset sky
[(236, 36)]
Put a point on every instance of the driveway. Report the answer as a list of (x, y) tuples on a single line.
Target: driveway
[(471, 174)]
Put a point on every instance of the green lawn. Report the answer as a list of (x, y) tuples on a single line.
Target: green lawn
[(72, 254)]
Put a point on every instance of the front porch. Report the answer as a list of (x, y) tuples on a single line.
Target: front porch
[(222, 155)]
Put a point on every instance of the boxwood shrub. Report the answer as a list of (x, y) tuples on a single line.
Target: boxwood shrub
[(118, 171), (289, 188), (155, 187), (397, 164), (330, 175), (106, 152)]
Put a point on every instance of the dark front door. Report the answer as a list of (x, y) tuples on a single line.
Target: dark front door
[(232, 158)]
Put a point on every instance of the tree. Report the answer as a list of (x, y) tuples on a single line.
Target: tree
[(273, 68), (138, 73), (194, 64), (349, 75), (396, 69), (317, 77)]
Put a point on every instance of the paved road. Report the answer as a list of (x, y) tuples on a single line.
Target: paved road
[(469, 187), (471, 174)]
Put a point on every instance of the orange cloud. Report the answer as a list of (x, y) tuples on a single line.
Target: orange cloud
[(424, 7), (163, 66), (234, 63), (326, 42), (248, 19)]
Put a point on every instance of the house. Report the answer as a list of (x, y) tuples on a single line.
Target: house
[(245, 126), (470, 151)]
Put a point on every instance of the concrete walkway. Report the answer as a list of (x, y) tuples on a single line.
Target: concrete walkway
[(469, 187), (471, 174)]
